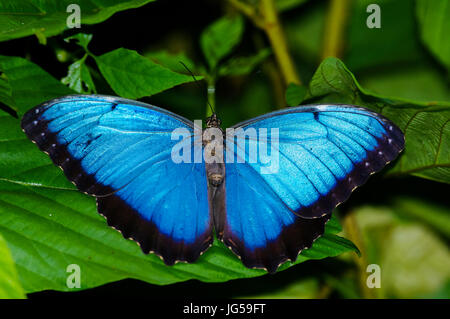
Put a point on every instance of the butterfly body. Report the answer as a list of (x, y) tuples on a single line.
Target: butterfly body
[(265, 208)]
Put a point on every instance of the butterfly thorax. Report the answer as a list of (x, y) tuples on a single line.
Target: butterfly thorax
[(213, 121), (213, 133)]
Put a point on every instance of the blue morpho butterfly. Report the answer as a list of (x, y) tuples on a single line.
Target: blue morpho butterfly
[(121, 152)]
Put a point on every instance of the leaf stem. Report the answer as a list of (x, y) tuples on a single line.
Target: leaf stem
[(333, 43), (211, 97)]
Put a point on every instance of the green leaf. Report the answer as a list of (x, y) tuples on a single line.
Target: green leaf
[(29, 84), (426, 125), (172, 61), (295, 94), (82, 39), (21, 18), (219, 38), (79, 78), (434, 23), (133, 76), (6, 91), (10, 287), (49, 225), (243, 65)]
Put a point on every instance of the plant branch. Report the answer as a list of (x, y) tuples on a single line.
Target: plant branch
[(211, 98), (333, 43), (277, 39), (247, 10), (265, 17)]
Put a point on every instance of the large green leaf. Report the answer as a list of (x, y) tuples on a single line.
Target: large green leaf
[(426, 125), (20, 18), (6, 91), (49, 225), (133, 76), (9, 280), (220, 38), (172, 61), (28, 84), (434, 22)]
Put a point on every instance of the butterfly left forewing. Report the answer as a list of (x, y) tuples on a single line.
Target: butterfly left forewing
[(120, 151)]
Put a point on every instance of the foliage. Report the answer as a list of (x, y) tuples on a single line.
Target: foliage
[(45, 224), (219, 38), (433, 21), (9, 281), (42, 215), (48, 18), (427, 135)]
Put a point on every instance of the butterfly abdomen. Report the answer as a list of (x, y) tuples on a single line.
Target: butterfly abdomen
[(213, 142)]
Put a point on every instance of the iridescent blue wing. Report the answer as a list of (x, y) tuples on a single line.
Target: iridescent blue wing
[(120, 151), (324, 153)]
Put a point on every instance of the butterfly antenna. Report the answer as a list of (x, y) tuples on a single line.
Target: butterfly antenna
[(196, 82)]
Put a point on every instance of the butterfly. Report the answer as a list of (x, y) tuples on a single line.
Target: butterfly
[(122, 152)]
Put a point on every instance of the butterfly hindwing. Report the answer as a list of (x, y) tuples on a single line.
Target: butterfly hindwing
[(274, 210), (120, 151), (257, 225)]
